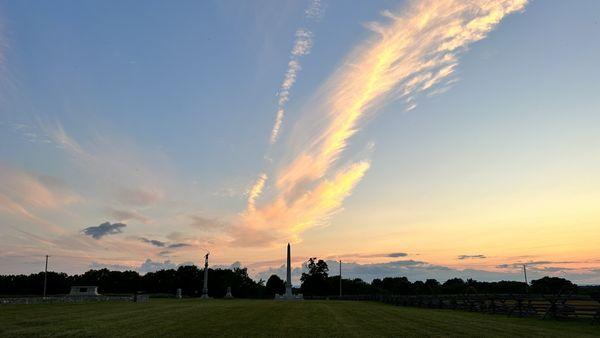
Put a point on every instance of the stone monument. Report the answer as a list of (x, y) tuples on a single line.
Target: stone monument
[(288, 280), (288, 295), (228, 295), (205, 287), (178, 294)]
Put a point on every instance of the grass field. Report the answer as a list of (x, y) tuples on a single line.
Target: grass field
[(169, 317)]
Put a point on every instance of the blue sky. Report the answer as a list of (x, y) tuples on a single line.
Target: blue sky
[(158, 115)]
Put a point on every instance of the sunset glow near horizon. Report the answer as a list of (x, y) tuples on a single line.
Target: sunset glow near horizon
[(426, 139)]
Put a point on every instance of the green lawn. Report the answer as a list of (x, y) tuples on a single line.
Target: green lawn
[(194, 317)]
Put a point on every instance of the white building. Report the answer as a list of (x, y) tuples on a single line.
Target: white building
[(84, 291)]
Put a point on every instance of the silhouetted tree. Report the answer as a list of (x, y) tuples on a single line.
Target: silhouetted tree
[(552, 285), (433, 286), (189, 278), (393, 285), (275, 285), (314, 283), (349, 286), (244, 287), (419, 288), (454, 286)]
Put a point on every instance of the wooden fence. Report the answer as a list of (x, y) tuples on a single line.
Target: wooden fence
[(66, 299), (521, 305)]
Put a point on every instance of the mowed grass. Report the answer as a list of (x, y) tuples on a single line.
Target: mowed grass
[(194, 317)]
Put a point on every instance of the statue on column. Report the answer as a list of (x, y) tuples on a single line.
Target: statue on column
[(205, 287)]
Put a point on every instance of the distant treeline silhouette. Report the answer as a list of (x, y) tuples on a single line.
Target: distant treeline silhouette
[(402, 286), (315, 282), (188, 278)]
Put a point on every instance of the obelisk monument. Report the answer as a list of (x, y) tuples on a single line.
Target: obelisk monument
[(288, 282)]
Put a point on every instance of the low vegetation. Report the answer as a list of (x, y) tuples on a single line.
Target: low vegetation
[(194, 317)]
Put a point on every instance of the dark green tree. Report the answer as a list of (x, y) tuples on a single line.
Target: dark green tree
[(433, 286), (314, 283), (275, 285), (454, 286), (552, 285), (393, 285), (189, 279)]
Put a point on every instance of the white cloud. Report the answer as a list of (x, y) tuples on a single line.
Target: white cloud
[(412, 52)]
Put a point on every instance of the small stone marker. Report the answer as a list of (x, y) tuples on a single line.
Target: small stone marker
[(228, 294), (178, 295)]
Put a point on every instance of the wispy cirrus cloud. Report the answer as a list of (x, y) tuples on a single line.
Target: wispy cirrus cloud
[(412, 52), (23, 194), (302, 46), (315, 10), (39, 191), (284, 218), (127, 215), (57, 135), (206, 223), (256, 190), (27, 132), (139, 196), (133, 176)]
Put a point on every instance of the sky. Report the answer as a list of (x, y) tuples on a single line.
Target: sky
[(426, 139)]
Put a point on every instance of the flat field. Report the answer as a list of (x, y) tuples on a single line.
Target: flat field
[(194, 317)]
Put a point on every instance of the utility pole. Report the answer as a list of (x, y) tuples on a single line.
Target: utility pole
[(340, 278), (45, 276), (525, 274)]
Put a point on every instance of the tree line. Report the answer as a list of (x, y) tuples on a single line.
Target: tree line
[(188, 278), (316, 281)]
